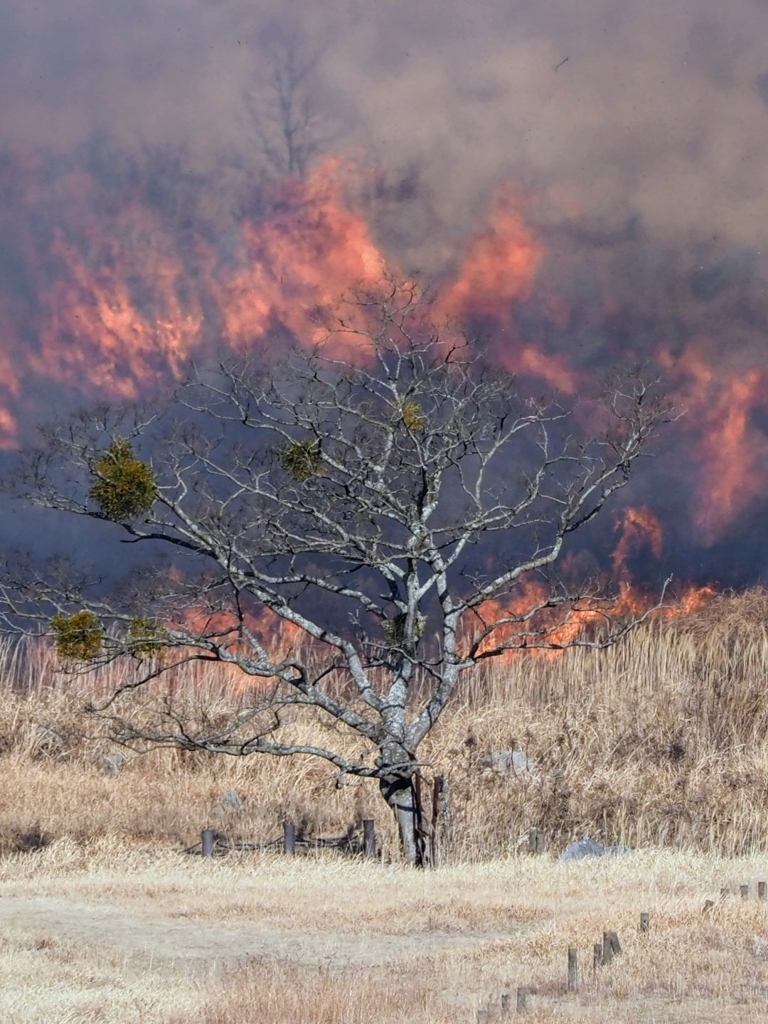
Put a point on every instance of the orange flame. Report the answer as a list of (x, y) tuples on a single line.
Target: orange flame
[(559, 629), (498, 272), (500, 266), (277, 636), (92, 330), (122, 298), (732, 455), (309, 253), (639, 526)]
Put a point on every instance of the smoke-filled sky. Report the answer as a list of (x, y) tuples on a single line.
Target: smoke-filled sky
[(584, 179), (657, 111)]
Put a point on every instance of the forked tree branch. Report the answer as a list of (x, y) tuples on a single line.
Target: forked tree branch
[(390, 510)]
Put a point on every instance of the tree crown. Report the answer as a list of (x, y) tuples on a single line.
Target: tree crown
[(388, 508)]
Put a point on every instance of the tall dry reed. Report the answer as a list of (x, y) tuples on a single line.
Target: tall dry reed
[(659, 740)]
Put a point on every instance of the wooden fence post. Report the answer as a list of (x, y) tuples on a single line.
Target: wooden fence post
[(506, 1004), (613, 938), (208, 838), (482, 1017), (421, 824), (440, 819), (573, 969), (522, 1000), (607, 948), (762, 890), (597, 956), (744, 890), (289, 838), (536, 841), (369, 834), (645, 922)]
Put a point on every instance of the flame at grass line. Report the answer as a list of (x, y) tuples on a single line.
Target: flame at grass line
[(554, 628), (550, 631), (279, 636), (282, 640)]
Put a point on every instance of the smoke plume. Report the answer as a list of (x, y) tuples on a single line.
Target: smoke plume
[(584, 183)]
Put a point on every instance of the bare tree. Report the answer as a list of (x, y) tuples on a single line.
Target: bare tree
[(389, 508), (284, 108)]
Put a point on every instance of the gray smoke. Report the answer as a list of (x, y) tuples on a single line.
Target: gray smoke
[(601, 109), (635, 132)]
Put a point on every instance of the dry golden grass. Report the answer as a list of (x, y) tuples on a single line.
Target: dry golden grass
[(101, 933), (662, 740), (659, 744)]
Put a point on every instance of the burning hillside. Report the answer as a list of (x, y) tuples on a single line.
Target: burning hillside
[(107, 297), (117, 301), (583, 193)]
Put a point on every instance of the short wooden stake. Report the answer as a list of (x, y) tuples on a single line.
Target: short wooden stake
[(607, 948), (597, 958), (441, 815), (482, 1017), (536, 841), (762, 890), (724, 892), (613, 938), (573, 969), (522, 1000), (208, 838), (645, 922), (708, 904), (289, 838), (506, 1004), (369, 833), (744, 890)]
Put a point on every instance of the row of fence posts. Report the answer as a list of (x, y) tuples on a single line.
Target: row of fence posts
[(603, 953), (431, 821), (762, 894), (430, 849), (521, 1005), (208, 839)]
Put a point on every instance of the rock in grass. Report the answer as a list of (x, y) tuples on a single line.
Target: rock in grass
[(231, 801), (113, 764), (587, 847), (509, 762)]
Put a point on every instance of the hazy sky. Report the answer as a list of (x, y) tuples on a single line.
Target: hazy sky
[(635, 131), (656, 111)]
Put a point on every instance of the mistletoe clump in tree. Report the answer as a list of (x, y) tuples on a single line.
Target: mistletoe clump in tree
[(388, 508)]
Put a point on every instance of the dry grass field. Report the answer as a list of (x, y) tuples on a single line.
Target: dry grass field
[(103, 934), (660, 745)]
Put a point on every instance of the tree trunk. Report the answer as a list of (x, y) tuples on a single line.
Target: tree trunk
[(400, 793)]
